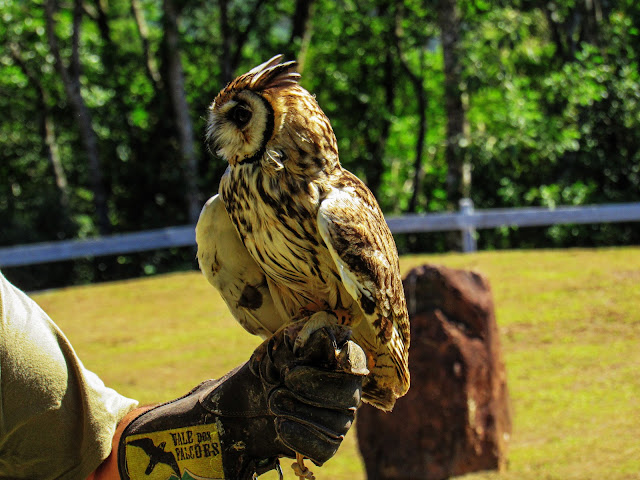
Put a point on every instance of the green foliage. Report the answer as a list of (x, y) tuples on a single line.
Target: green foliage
[(552, 96), (546, 132)]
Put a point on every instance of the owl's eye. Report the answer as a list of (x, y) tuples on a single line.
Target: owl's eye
[(240, 115)]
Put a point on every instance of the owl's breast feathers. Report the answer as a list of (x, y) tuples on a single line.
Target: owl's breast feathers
[(276, 220)]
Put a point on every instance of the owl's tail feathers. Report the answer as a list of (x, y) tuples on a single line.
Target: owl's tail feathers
[(382, 398), (399, 353), (389, 378)]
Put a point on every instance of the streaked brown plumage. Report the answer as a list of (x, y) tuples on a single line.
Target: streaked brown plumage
[(312, 227)]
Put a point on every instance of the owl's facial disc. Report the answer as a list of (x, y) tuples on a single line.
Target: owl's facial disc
[(240, 128)]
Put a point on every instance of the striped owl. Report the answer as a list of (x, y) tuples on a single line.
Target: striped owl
[(312, 236)]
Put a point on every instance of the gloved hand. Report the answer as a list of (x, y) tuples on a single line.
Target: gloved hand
[(275, 405)]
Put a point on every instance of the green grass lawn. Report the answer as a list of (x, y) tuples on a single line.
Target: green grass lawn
[(570, 327)]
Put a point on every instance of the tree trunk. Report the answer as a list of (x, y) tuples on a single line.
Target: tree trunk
[(581, 24), (71, 79), (47, 128), (181, 110), (227, 68), (418, 169), (421, 95), (233, 40), (376, 140), (458, 167), (150, 62), (301, 30)]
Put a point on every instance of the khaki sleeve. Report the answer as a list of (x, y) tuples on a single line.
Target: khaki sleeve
[(57, 418)]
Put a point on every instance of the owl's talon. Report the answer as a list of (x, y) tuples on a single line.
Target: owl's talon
[(316, 322), (301, 471)]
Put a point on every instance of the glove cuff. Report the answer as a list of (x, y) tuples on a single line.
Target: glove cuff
[(209, 433)]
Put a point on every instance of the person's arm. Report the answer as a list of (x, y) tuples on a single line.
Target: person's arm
[(108, 470), (58, 417), (276, 405)]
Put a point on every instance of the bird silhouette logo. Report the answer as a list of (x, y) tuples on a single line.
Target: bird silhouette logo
[(157, 454)]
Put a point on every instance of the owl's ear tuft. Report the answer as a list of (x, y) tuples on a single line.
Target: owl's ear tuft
[(272, 74), (275, 60)]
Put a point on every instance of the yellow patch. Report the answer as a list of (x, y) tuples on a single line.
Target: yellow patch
[(189, 453)]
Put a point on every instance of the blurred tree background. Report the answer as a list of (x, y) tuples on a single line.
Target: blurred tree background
[(522, 103)]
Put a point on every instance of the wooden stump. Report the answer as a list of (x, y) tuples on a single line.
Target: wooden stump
[(455, 418)]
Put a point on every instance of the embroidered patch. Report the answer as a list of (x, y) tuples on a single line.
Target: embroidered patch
[(188, 453)]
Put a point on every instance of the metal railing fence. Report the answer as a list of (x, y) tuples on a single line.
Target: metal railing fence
[(467, 220)]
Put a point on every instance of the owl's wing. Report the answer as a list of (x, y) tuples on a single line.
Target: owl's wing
[(228, 266), (356, 233)]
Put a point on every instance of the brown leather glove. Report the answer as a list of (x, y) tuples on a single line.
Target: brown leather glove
[(275, 405)]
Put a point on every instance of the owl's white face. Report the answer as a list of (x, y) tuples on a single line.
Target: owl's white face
[(240, 127)]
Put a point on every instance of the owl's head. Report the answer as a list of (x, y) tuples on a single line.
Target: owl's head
[(265, 117)]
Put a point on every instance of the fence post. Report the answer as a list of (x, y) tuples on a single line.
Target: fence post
[(468, 231)]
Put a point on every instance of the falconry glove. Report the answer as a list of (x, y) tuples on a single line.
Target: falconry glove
[(278, 404)]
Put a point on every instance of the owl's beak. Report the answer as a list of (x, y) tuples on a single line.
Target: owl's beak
[(212, 140), (213, 147)]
